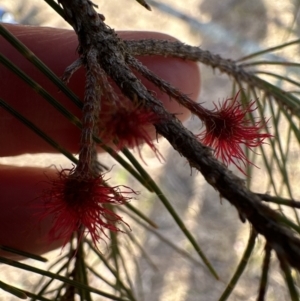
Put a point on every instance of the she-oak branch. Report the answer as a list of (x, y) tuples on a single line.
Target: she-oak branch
[(113, 56)]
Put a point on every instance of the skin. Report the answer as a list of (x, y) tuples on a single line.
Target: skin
[(20, 187)]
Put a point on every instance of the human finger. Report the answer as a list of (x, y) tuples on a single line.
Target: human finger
[(57, 49), (21, 208)]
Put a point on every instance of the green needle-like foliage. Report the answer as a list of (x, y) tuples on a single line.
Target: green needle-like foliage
[(267, 77)]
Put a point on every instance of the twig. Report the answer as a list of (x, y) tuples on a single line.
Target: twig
[(111, 54)]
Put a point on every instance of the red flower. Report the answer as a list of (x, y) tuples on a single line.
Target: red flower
[(228, 128), (129, 127), (81, 205)]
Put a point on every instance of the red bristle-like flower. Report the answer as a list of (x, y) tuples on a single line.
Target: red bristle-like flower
[(129, 127), (82, 205), (228, 129)]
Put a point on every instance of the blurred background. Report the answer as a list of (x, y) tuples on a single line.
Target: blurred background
[(232, 29)]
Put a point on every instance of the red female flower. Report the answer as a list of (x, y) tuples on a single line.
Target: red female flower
[(83, 205), (129, 127), (228, 129)]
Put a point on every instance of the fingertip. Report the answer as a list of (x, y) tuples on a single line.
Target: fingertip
[(21, 226)]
